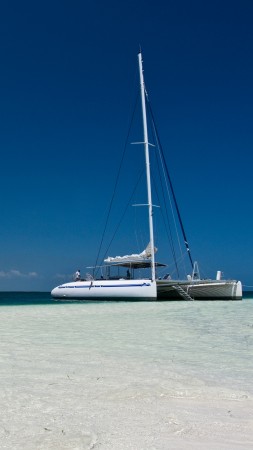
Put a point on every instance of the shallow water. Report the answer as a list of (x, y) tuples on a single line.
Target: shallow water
[(121, 375)]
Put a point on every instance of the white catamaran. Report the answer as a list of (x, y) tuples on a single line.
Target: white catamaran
[(152, 288)]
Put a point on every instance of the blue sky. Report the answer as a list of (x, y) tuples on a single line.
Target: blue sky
[(66, 88)]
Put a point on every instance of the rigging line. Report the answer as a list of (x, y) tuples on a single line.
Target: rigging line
[(177, 209), (167, 225), (138, 235), (180, 261), (166, 222), (155, 137), (169, 196), (116, 182), (170, 200), (122, 217), (171, 187)]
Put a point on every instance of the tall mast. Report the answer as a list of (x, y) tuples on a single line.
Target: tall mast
[(146, 147)]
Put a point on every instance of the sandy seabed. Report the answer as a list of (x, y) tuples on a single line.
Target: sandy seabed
[(110, 377)]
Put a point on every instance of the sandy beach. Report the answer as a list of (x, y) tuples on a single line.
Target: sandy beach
[(110, 377)]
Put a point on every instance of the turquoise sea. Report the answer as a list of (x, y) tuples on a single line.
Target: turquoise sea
[(29, 298), (125, 375)]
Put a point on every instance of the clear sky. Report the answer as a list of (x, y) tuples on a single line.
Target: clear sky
[(66, 84)]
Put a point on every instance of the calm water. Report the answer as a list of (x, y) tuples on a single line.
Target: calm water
[(162, 370), (213, 339), (29, 298)]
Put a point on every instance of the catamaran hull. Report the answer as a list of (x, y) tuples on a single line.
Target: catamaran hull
[(107, 290), (148, 290), (199, 290)]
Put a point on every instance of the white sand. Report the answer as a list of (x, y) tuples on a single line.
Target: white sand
[(97, 376)]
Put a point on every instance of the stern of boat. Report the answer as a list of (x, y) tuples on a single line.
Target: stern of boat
[(238, 291)]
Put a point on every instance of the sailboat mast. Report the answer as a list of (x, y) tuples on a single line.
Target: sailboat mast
[(146, 147)]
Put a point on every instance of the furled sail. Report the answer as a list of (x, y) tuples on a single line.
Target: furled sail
[(146, 254)]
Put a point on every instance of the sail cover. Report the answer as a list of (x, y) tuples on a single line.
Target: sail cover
[(143, 256)]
